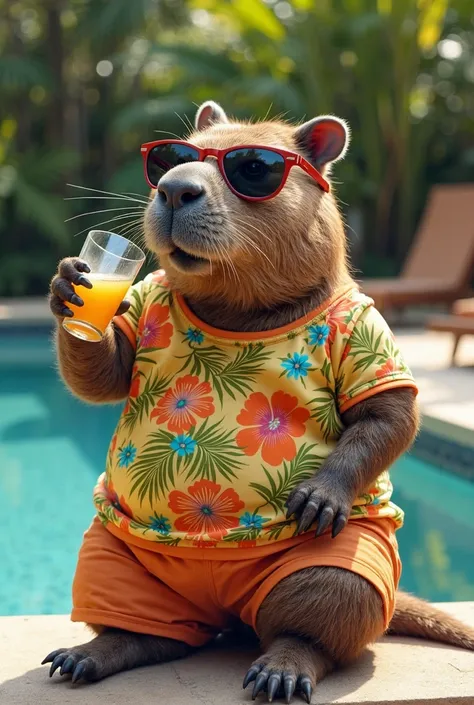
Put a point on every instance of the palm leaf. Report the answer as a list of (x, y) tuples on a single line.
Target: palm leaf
[(142, 405), (365, 344), (215, 453), (326, 414), (136, 309), (239, 374), (208, 361), (273, 532), (282, 482), (168, 540), (242, 534), (155, 469)]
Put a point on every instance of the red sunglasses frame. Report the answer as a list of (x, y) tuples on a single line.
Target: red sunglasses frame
[(291, 159)]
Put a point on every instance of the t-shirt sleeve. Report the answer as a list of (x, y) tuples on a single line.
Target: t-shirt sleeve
[(370, 361), (128, 322)]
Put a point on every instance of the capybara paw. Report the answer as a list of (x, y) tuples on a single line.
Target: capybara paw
[(278, 680), (76, 661)]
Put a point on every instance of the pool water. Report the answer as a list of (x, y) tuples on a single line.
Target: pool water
[(52, 448)]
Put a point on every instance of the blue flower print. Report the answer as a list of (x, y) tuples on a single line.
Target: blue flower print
[(296, 366), (318, 334), (126, 455), (160, 524), (194, 335), (183, 445), (252, 521)]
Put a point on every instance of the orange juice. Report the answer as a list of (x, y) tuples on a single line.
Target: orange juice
[(100, 304)]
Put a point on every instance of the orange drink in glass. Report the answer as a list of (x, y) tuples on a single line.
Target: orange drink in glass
[(114, 262)]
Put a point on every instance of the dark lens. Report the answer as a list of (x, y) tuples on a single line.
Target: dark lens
[(164, 157), (254, 172)]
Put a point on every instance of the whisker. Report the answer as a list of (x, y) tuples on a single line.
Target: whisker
[(245, 223), (104, 222), (100, 198), (241, 237), (131, 193), (167, 132), (183, 121), (108, 193), (106, 210)]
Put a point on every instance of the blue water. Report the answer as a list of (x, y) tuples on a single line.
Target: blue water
[(52, 448)]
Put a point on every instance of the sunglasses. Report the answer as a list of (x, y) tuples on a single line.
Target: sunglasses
[(252, 173)]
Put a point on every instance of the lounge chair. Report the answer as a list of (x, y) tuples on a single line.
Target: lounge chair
[(459, 323), (440, 263)]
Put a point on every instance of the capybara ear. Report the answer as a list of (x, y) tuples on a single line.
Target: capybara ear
[(323, 140), (209, 114)]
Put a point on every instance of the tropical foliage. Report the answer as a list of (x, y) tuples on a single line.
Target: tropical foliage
[(84, 82)]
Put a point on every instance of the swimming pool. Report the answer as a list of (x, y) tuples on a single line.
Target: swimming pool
[(52, 447)]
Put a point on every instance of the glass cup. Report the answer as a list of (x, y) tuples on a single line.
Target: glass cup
[(114, 262)]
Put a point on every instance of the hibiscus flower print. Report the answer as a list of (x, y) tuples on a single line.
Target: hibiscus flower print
[(273, 425), (180, 405), (194, 335), (120, 505), (126, 455), (205, 511), (386, 369), (296, 366), (154, 329)]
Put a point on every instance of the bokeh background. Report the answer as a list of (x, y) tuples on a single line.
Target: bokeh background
[(84, 82)]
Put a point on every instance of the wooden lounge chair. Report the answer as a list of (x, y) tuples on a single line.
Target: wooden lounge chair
[(440, 264), (459, 323)]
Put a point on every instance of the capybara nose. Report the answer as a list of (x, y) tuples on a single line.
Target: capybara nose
[(176, 193)]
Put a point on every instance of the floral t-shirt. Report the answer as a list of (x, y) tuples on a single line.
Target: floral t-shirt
[(220, 427)]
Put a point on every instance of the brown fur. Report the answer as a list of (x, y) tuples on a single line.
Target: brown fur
[(267, 265)]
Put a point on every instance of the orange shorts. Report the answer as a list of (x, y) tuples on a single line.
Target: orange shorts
[(128, 587)]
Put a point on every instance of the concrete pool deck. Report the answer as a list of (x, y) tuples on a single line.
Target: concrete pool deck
[(393, 672)]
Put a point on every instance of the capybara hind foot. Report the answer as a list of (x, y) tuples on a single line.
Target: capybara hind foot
[(290, 665), (112, 651)]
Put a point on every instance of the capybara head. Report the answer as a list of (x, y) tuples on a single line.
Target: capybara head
[(218, 246)]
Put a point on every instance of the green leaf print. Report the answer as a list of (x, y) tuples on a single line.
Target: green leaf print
[(326, 414), (154, 471), (162, 296), (215, 454), (282, 482), (239, 374), (243, 534), (206, 453), (136, 308), (326, 370), (227, 375), (273, 532), (142, 353), (365, 346), (141, 406), (168, 540), (208, 362)]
